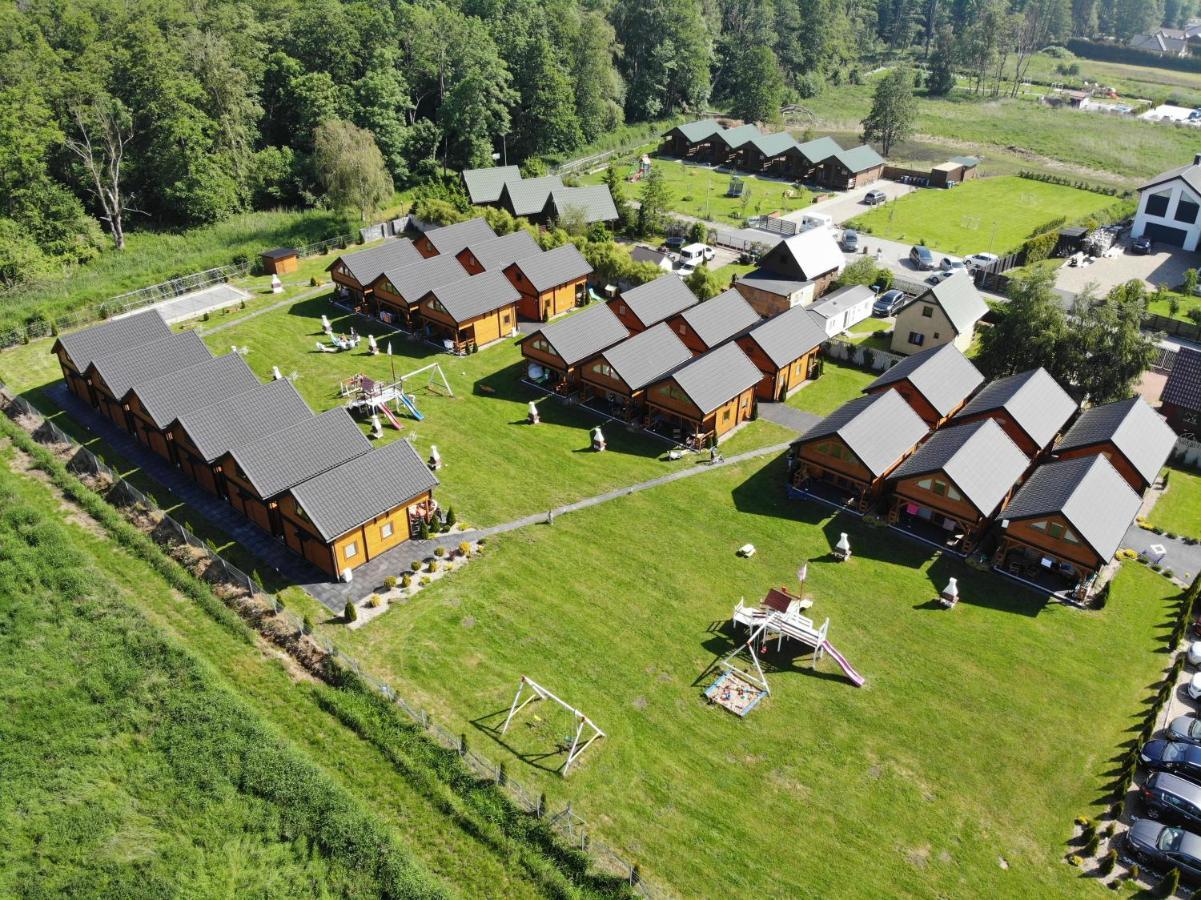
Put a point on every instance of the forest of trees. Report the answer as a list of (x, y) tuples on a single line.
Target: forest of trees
[(160, 113)]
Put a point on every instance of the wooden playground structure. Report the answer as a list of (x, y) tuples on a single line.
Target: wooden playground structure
[(363, 394), (584, 728)]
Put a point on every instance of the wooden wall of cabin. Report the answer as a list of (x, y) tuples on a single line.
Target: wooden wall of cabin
[(1118, 459), (547, 358), (602, 383), (425, 247), (391, 302), (626, 316), (908, 490), (918, 403), (847, 467), (76, 383), (544, 306), (191, 462), (243, 497), (733, 413), (1023, 530), (1010, 427)]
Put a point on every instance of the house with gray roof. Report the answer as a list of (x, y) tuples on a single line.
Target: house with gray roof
[(714, 321), (690, 140), (853, 449), (955, 483), (77, 349), (946, 313), (729, 141), (397, 293), (528, 196), (590, 204), (936, 383), (771, 294), (656, 301), (1180, 402), (799, 269), (766, 153), (1067, 521), (1130, 434), (705, 399), (617, 377), (844, 307), (1031, 407), (802, 161), (499, 252), (484, 186), (650, 255), (1164, 42), (1169, 207), (551, 282), (471, 312), (450, 239), (555, 351), (785, 349), (355, 272), (112, 377)]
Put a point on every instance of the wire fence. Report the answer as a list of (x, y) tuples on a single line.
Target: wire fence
[(567, 825)]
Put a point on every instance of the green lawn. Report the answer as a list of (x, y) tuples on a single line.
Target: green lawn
[(955, 771), (837, 385), (987, 214), (874, 333), (1163, 307), (1178, 510), (1132, 82)]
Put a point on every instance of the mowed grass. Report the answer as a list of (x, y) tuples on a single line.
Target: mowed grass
[(837, 384), (1178, 510), (986, 214), (956, 770)]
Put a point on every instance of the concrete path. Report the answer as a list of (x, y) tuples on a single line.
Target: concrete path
[(783, 414)]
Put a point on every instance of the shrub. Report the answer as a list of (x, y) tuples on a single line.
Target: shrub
[(465, 548), (1108, 861), (434, 565), (1169, 884), (1075, 860), (423, 530), (1134, 873), (374, 601), (307, 625), (350, 614), (1093, 845), (426, 580), (439, 552), (405, 580), (451, 518), (1084, 821), (390, 582), (415, 565)]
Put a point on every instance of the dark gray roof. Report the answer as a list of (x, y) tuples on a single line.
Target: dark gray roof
[(859, 159), (501, 251), (122, 370), (717, 377), (475, 295), (367, 486), (450, 239), (1190, 174), (584, 334), (658, 300), (943, 375), (552, 268), (484, 185), (528, 196), (839, 301), (1034, 400), (415, 281), (647, 356), (819, 149), (980, 458), (1183, 387), (113, 336), (879, 429), (647, 254), (809, 254), (695, 132), (960, 301), (594, 201), (169, 396), (280, 253), (789, 336), (1088, 492), (366, 265), (720, 318), (769, 282), (264, 409), (1139, 432), (285, 458)]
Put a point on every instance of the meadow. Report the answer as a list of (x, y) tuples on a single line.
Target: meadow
[(1178, 511), (837, 385)]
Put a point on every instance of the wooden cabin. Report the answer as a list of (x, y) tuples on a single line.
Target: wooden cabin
[(850, 169), (956, 170), (397, 293), (1066, 522), (801, 161), (201, 437), (1135, 439), (715, 321), (704, 400), (528, 197), (585, 205), (770, 294), (555, 352), (498, 253), (354, 273), (470, 313), (352, 513), (946, 313), (766, 154), (280, 261), (1180, 402), (812, 255), (785, 349), (154, 405), (1030, 406), (727, 144), (483, 186), (77, 350), (936, 383), (551, 282), (854, 449), (693, 140), (649, 304), (617, 378), (112, 377), (450, 239), (956, 482)]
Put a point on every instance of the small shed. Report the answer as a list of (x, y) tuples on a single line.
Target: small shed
[(280, 261), (1070, 241), (955, 170)]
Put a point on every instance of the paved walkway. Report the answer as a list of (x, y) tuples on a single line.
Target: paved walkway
[(1183, 559), (315, 292), (783, 414), (197, 303)]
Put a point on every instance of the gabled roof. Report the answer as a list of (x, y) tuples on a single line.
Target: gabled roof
[(280, 253), (1183, 387), (112, 337), (415, 281), (959, 299), (736, 137), (583, 335), (1033, 399), (789, 336), (771, 283), (367, 486), (1088, 492), (264, 409), (122, 370), (658, 300), (474, 295), (450, 239), (695, 132), (285, 458), (819, 149), (528, 196), (1190, 174), (809, 254), (594, 201), (773, 144), (942, 375), (501, 251), (839, 301), (366, 265), (720, 318), (1139, 433), (859, 159), (980, 458), (484, 185), (647, 254), (968, 162), (552, 268), (717, 377), (647, 356), (169, 396), (879, 429)]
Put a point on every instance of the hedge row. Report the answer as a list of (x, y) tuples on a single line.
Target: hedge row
[(1119, 54), (1048, 178)]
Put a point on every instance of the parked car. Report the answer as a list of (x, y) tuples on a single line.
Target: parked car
[(980, 260), (874, 197), (1186, 729), (888, 304), (938, 278), (850, 240), (951, 264), (695, 254), (1171, 798), (1194, 686), (921, 257), (1141, 246), (1162, 847), (1194, 653), (1172, 756)]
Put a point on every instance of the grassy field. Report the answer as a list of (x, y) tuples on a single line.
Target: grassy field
[(837, 385), (1130, 81), (1163, 307), (987, 214), (1178, 510), (928, 772)]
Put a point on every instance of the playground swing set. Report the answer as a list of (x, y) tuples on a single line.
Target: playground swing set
[(568, 739), (363, 394)]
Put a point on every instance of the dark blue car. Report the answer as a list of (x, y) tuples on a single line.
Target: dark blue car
[(1172, 756), (1162, 847)]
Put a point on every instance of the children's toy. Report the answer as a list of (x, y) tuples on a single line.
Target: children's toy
[(578, 726)]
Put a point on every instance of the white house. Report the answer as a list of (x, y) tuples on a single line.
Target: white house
[(844, 307), (1168, 207)]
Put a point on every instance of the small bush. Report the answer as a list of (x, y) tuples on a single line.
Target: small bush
[(1169, 884), (434, 565), (1084, 821), (390, 582), (1108, 861), (415, 565), (423, 530), (1076, 861), (451, 518), (405, 580), (1093, 845), (426, 580), (465, 548), (374, 601), (307, 625), (1135, 873), (350, 614), (439, 552)]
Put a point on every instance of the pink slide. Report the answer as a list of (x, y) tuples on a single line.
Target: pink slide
[(856, 679), (391, 416)]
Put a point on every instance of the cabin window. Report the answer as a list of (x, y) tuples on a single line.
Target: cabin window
[(434, 304), (831, 449), (1157, 204), (505, 318), (603, 369), (683, 328), (621, 309), (385, 530), (351, 550), (927, 312), (390, 287), (917, 338), (542, 345), (725, 415), (300, 513)]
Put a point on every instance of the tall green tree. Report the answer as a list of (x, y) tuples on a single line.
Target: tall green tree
[(1032, 332), (941, 79), (381, 103), (1113, 351), (350, 167), (758, 86), (653, 202), (668, 51), (893, 110)]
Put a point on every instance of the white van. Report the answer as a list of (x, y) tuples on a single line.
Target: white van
[(695, 254), (813, 220)]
